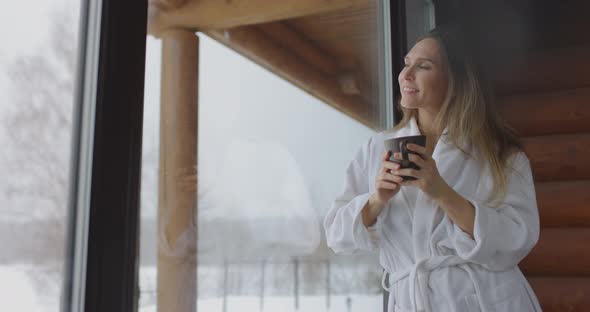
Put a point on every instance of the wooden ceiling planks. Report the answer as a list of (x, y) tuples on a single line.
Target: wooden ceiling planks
[(350, 37)]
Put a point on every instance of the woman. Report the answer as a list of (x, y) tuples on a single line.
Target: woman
[(450, 240)]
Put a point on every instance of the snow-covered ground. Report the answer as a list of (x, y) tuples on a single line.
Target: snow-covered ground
[(319, 303), (285, 304), (20, 291), (358, 303)]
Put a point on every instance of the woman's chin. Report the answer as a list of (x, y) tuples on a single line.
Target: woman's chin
[(409, 105)]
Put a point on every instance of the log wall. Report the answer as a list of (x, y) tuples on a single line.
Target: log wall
[(537, 54)]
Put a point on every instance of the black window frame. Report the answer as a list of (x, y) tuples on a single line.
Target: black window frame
[(107, 280)]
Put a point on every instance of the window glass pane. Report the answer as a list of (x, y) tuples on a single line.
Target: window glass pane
[(37, 73), (271, 160), (275, 130), (149, 177)]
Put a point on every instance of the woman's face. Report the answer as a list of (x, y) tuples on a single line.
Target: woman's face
[(423, 81)]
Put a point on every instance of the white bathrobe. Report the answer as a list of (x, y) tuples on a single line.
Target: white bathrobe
[(431, 264)]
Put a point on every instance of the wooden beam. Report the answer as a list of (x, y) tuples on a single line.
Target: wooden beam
[(559, 157), (167, 4), (548, 113), (221, 14), (564, 203), (560, 251), (559, 294), (291, 40), (255, 45)]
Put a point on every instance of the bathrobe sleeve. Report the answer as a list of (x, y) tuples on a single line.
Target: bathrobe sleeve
[(345, 231), (503, 235)]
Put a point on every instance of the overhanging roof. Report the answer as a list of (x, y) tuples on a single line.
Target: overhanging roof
[(328, 48)]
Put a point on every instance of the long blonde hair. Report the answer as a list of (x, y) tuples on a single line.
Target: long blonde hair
[(469, 113)]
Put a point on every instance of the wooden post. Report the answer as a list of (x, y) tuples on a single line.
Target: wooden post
[(262, 279), (296, 282), (177, 231), (328, 294), (225, 285)]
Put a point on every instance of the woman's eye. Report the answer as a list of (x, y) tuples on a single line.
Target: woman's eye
[(424, 66)]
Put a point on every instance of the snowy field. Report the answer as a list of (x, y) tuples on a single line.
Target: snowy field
[(21, 291), (286, 304), (352, 303), (18, 292)]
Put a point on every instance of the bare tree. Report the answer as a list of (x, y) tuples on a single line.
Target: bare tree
[(35, 166)]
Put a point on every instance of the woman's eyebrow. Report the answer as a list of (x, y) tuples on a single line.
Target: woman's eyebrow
[(421, 59)]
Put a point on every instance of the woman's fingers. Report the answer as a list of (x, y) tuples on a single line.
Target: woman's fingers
[(391, 177), (385, 158), (390, 165), (413, 158), (407, 172), (417, 160), (386, 185), (386, 155), (387, 165), (420, 150), (415, 183)]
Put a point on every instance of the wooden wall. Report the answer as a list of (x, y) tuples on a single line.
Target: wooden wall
[(538, 55)]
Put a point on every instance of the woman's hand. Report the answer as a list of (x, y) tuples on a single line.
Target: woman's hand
[(427, 177), (386, 184)]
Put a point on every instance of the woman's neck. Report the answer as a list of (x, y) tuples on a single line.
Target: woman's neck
[(426, 124)]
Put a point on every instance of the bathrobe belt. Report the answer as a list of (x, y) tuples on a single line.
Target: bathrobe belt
[(418, 275)]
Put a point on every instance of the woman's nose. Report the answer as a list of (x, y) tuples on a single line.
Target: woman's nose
[(406, 74)]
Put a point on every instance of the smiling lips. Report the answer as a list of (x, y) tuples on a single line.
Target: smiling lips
[(409, 90)]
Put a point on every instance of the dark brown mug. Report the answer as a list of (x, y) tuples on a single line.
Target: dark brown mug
[(400, 145)]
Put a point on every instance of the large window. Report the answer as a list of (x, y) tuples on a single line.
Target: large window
[(269, 160)]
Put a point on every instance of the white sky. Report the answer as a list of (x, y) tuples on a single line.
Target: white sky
[(25, 24), (21, 36)]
